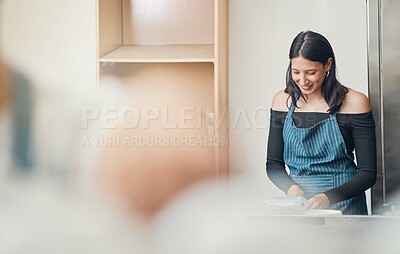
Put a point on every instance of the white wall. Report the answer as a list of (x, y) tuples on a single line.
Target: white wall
[(54, 42), (260, 34)]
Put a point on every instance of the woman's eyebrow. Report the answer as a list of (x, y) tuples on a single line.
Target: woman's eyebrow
[(306, 70)]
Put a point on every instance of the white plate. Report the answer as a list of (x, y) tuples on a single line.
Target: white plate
[(323, 212)]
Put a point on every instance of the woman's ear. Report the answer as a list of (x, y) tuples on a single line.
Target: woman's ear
[(328, 64)]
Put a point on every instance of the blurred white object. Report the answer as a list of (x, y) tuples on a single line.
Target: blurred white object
[(41, 215), (323, 212), (283, 205)]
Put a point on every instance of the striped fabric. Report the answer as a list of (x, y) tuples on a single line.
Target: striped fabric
[(318, 160)]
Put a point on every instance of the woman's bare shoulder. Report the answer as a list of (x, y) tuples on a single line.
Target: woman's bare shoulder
[(355, 102), (280, 101)]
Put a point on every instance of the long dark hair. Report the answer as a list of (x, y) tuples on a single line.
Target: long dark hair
[(315, 47)]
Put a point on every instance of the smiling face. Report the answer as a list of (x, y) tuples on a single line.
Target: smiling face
[(309, 75)]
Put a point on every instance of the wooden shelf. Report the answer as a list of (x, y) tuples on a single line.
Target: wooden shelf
[(161, 54)]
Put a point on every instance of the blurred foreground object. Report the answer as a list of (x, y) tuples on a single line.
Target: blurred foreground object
[(147, 179), (16, 109), (44, 215), (199, 222)]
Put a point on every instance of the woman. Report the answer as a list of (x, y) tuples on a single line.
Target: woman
[(316, 124)]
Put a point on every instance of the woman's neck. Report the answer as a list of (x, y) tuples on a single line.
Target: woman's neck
[(314, 98), (313, 103)]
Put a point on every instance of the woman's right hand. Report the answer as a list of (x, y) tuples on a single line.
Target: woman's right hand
[(295, 191)]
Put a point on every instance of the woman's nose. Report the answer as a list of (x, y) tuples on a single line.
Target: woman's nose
[(303, 80)]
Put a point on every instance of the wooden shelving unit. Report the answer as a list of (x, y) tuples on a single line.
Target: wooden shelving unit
[(171, 54)]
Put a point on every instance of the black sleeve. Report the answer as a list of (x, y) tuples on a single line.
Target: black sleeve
[(363, 132), (275, 164)]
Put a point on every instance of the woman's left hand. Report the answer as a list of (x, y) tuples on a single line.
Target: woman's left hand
[(319, 201)]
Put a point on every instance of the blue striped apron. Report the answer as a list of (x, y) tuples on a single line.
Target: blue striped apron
[(318, 161)]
